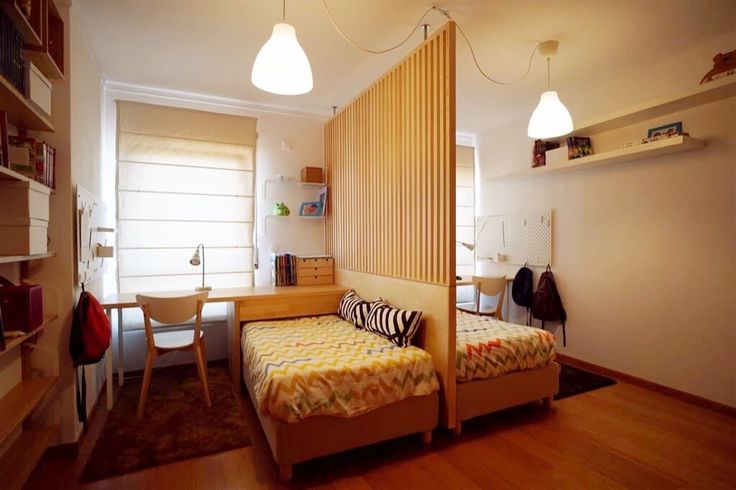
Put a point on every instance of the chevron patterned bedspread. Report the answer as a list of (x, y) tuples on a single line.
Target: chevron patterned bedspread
[(325, 366), (488, 348)]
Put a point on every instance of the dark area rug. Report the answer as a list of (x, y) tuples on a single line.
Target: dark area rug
[(176, 424), (574, 381)]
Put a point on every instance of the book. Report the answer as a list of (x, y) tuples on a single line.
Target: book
[(578, 146)]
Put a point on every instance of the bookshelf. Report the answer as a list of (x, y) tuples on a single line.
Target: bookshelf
[(30, 28), (21, 401), (21, 112), (675, 144), (49, 55), (13, 342)]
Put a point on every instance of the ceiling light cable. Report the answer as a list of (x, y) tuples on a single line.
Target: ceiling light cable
[(372, 51), (475, 60)]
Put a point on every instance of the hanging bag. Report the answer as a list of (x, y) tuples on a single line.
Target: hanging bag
[(547, 304), (89, 339), (522, 290)]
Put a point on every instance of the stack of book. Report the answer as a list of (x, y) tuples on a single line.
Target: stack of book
[(283, 269), (34, 159), (12, 65)]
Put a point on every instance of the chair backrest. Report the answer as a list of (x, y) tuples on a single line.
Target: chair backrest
[(490, 286), (171, 310)]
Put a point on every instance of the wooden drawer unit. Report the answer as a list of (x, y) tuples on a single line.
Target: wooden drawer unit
[(313, 271)]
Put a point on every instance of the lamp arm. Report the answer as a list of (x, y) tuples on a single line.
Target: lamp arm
[(203, 262)]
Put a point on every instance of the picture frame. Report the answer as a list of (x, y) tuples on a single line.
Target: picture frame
[(323, 200), (665, 131), (312, 209)]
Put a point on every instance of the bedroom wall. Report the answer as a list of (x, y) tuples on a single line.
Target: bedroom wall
[(390, 160), (643, 252), (286, 143)]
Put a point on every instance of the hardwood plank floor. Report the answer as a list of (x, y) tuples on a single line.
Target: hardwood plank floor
[(615, 437)]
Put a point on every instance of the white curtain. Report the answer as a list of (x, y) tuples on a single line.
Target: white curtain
[(465, 209)]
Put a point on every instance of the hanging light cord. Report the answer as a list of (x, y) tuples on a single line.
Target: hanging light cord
[(418, 24), (374, 51)]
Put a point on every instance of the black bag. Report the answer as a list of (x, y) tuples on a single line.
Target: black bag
[(547, 304), (522, 290)]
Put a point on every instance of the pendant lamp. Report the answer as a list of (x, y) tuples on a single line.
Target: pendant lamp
[(281, 66), (550, 119)]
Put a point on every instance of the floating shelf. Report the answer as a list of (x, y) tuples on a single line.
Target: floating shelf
[(18, 404), (23, 455), (10, 259), (49, 55), (291, 183), (30, 34), (675, 144), (13, 342), (7, 174), (305, 218), (21, 112), (702, 94)]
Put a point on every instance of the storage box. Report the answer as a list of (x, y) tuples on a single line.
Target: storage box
[(22, 306), (556, 156), (24, 239), (21, 201), (312, 174), (39, 88)]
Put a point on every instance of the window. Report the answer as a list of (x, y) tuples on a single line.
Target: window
[(184, 177), (465, 209)]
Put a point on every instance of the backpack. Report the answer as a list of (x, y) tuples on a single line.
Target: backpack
[(522, 290), (89, 339), (547, 304)]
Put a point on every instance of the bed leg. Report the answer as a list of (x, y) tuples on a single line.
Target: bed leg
[(286, 471), (547, 401), (457, 430), (427, 437)]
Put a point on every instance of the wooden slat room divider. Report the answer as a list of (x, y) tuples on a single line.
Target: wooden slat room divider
[(390, 166)]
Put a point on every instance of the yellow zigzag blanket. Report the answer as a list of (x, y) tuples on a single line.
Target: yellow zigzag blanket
[(325, 366), (488, 348)]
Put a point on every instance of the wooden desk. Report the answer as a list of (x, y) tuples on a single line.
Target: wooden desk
[(245, 304)]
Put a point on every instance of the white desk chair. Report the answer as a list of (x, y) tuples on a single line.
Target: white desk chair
[(173, 310), (486, 286)]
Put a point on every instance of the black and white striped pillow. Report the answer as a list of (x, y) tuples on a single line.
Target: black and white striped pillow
[(355, 309), (398, 326)]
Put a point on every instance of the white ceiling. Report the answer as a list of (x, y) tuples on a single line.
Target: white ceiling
[(208, 46)]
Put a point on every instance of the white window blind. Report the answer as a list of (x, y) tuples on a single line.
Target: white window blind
[(184, 177), (465, 209)]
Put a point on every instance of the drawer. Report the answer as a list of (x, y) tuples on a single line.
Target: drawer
[(318, 262), (314, 271), (314, 280)]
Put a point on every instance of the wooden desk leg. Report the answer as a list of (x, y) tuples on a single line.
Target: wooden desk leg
[(121, 349), (108, 368), (233, 342)]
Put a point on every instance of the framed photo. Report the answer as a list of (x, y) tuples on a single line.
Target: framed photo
[(323, 200), (665, 131), (312, 208)]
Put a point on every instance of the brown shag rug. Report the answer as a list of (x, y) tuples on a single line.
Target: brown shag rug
[(176, 424)]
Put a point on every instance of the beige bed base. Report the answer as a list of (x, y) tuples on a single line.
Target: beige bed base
[(321, 435), (480, 397)]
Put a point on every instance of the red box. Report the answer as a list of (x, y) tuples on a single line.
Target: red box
[(22, 306)]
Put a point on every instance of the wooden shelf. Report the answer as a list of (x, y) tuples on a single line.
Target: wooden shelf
[(702, 94), (23, 455), (19, 403), (13, 342), (676, 144), (30, 34), (49, 55), (7, 174), (21, 112), (10, 259)]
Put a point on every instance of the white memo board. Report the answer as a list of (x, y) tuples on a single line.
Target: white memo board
[(91, 231), (520, 236)]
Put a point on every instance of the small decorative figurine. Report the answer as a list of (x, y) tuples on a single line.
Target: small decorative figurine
[(281, 209)]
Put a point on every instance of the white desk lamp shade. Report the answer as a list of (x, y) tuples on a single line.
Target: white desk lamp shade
[(281, 66), (550, 119)]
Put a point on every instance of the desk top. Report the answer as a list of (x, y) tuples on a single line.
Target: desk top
[(127, 300), (468, 280)]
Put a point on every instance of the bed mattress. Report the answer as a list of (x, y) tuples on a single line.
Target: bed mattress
[(325, 366), (488, 348)]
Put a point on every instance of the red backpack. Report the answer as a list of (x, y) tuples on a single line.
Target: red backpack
[(90, 338)]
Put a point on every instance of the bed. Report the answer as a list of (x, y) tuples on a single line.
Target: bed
[(322, 386), (500, 365)]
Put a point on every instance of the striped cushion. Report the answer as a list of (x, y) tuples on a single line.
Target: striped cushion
[(398, 326), (355, 309)]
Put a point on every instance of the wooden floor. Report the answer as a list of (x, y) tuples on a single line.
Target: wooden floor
[(620, 436)]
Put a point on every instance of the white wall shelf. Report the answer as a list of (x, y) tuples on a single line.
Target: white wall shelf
[(676, 144), (290, 217), (291, 184), (7, 174), (10, 259)]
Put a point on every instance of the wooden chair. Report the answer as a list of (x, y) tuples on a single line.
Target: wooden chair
[(488, 286), (173, 310)]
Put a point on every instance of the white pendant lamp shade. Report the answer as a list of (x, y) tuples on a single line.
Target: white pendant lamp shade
[(550, 119), (281, 66)]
